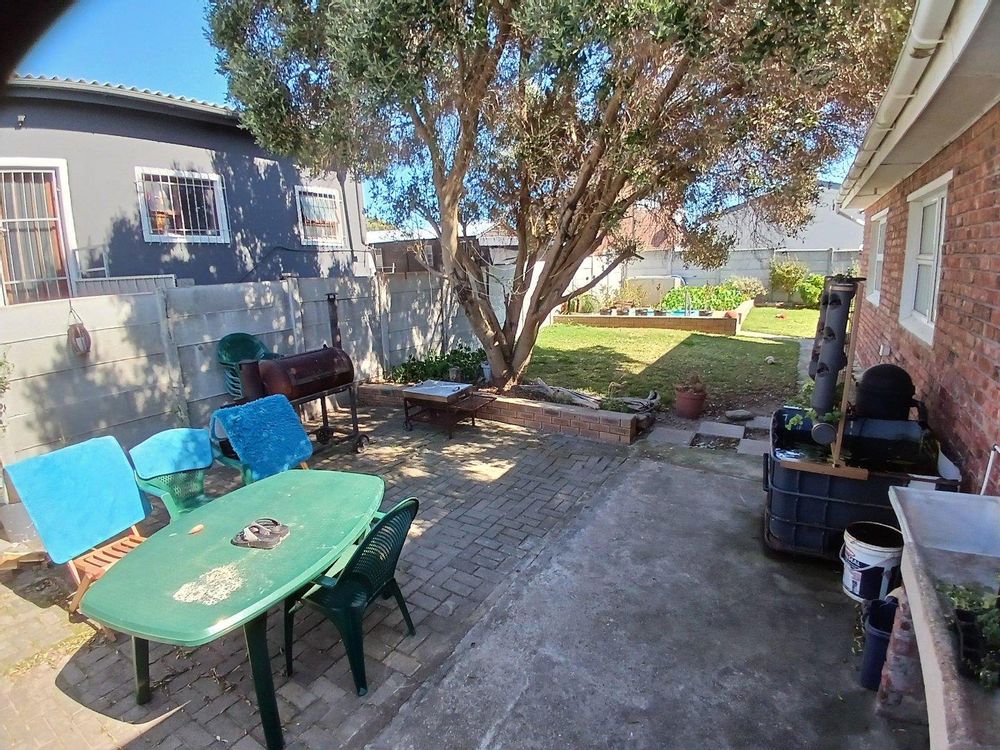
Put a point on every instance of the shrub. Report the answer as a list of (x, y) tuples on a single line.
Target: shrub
[(786, 275), (436, 366), (587, 303), (810, 289), (747, 286), (629, 293)]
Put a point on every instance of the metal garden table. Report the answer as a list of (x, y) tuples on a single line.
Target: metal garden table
[(189, 589)]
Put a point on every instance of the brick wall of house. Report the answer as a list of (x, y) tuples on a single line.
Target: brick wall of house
[(959, 376)]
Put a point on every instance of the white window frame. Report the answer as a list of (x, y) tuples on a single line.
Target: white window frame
[(338, 199), (222, 213), (933, 193), (69, 228), (876, 260)]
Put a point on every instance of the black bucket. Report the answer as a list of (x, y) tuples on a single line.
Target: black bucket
[(878, 628)]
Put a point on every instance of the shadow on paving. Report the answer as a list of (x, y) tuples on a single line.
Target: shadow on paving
[(658, 622), (491, 500)]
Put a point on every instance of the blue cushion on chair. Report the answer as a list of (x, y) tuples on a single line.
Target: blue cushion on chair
[(266, 435), (172, 451), (78, 497)]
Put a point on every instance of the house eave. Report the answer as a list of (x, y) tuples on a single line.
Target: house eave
[(108, 95), (946, 78)]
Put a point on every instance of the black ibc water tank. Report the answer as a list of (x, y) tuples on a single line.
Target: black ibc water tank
[(885, 392)]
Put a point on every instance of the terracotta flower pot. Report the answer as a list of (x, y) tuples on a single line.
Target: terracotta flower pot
[(689, 404)]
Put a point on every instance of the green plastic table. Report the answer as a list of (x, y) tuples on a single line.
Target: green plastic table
[(189, 589)]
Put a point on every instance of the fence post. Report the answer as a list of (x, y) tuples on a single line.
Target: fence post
[(294, 296), (383, 303), (175, 376)]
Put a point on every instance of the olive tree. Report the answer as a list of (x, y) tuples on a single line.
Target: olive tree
[(556, 118)]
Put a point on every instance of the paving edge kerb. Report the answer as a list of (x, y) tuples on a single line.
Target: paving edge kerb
[(605, 426)]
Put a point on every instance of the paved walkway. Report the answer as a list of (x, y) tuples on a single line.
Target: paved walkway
[(491, 499), (566, 594)]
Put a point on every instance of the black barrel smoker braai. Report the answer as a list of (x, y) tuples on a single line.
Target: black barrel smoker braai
[(886, 392), (310, 376)]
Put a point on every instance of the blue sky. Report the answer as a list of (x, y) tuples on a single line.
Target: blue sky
[(154, 45)]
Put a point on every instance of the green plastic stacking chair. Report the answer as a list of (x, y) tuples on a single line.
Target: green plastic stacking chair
[(369, 573), (235, 348)]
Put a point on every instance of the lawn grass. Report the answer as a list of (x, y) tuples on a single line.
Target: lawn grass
[(588, 359), (800, 323)]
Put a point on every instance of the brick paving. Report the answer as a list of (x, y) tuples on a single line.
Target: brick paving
[(492, 499)]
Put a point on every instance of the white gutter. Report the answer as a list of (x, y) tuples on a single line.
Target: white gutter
[(925, 35)]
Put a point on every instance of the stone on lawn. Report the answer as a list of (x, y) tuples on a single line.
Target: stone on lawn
[(739, 415)]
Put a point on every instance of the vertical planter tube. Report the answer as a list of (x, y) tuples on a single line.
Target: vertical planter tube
[(832, 357)]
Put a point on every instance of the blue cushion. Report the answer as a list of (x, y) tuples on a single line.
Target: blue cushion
[(266, 435), (78, 497), (172, 451)]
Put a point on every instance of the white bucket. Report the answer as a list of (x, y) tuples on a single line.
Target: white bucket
[(871, 555)]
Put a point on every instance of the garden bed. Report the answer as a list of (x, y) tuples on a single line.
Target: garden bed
[(727, 323), (606, 426)]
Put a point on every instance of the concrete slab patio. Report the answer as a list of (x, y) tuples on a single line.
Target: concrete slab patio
[(657, 622), (566, 594)]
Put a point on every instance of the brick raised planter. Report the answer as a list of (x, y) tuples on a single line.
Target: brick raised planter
[(606, 426), (718, 322)]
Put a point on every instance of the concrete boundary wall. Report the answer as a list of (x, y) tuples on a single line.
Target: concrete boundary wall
[(152, 363)]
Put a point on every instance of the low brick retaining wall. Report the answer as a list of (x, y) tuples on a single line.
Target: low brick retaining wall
[(606, 426), (718, 323)]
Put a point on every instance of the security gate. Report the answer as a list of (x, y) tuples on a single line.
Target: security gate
[(32, 248)]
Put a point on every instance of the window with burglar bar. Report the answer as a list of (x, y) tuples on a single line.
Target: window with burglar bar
[(320, 217), (178, 206), (32, 258)]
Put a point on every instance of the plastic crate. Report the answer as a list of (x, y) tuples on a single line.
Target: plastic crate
[(806, 512)]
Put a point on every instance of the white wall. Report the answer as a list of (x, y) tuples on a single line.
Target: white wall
[(153, 364)]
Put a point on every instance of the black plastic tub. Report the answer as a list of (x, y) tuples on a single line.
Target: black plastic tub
[(806, 512)]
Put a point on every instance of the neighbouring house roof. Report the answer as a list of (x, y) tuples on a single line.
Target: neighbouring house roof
[(947, 76), (116, 95)]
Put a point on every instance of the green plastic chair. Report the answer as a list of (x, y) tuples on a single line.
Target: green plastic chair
[(235, 348), (171, 465), (181, 493), (369, 572)]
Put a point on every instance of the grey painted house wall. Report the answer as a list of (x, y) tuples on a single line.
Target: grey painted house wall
[(104, 133)]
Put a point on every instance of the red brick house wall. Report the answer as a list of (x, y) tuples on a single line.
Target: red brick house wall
[(959, 376)]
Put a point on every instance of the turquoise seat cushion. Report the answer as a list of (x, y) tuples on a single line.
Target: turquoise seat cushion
[(266, 435), (78, 497), (171, 452)]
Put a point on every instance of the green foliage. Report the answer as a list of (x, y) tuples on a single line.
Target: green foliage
[(629, 293), (586, 303), (786, 275), (556, 118), (614, 404), (727, 296), (810, 289), (436, 366), (803, 399), (748, 286), (982, 604)]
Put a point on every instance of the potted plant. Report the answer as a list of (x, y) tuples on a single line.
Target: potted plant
[(689, 397)]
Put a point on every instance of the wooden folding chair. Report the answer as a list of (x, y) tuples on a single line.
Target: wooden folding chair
[(78, 498)]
